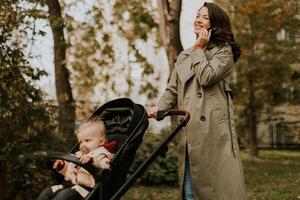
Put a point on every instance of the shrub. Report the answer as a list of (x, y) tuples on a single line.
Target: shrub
[(164, 169)]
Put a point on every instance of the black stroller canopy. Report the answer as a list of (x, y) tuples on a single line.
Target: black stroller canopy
[(121, 118)]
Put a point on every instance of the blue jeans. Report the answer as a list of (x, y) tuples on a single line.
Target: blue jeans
[(187, 182)]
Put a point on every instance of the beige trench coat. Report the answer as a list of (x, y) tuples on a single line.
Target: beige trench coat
[(198, 84)]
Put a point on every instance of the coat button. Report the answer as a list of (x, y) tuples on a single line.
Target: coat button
[(199, 94), (202, 118)]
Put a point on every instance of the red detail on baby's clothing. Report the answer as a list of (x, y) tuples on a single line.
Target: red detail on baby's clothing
[(111, 147)]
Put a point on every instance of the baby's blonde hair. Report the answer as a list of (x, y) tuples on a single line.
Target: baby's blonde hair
[(95, 121)]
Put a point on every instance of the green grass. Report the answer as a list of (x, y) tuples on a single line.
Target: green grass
[(274, 176), (154, 193)]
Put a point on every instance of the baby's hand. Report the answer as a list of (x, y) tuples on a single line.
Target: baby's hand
[(86, 159), (78, 154), (58, 165)]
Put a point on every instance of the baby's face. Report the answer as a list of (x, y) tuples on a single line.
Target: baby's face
[(89, 139)]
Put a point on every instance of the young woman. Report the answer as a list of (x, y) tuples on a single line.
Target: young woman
[(209, 162)]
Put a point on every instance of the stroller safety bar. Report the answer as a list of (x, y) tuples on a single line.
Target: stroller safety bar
[(102, 174)]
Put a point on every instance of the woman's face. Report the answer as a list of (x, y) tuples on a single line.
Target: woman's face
[(202, 19)]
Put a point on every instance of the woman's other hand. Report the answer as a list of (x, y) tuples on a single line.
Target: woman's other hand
[(152, 112)]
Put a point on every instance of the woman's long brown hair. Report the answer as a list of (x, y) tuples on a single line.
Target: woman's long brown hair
[(221, 28)]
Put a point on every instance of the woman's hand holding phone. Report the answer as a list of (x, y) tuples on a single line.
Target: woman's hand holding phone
[(202, 38)]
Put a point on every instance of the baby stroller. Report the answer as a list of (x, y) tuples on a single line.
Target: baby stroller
[(126, 122)]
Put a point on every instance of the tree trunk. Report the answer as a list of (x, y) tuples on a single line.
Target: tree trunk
[(66, 105), (169, 12), (253, 104), (252, 122), (169, 26), (251, 107)]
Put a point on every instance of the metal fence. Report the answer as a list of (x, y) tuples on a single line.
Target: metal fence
[(279, 135)]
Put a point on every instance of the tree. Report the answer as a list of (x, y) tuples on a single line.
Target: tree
[(263, 73), (66, 104), (95, 59), (169, 26), (95, 48), (26, 120)]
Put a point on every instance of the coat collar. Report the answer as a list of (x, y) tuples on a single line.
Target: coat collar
[(184, 71), (209, 47), (183, 65)]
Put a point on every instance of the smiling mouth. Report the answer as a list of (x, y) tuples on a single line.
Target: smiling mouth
[(198, 27)]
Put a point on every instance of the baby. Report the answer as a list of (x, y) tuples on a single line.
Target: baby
[(92, 149)]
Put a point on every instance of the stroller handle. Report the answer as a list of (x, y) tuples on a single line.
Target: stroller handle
[(174, 112)]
